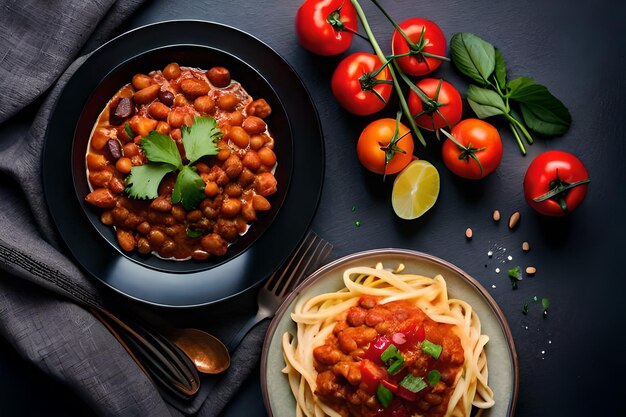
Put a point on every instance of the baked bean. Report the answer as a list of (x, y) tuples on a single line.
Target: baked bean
[(194, 216), (123, 165), (101, 197), (239, 137), (137, 160), (256, 141), (126, 240), (156, 237), (96, 162), (230, 207), (223, 154), (233, 189), (130, 149), (147, 94), (265, 184), (251, 160), (233, 166), (171, 71), (211, 189), (176, 118), (143, 228), (254, 124), (168, 249), (219, 76), (214, 244), (179, 213), (192, 87), (202, 167), (158, 110), (259, 108), (181, 101), (235, 118), (356, 317), (120, 214), (199, 255), (267, 156), (227, 102), (161, 204), (143, 246), (163, 128), (116, 185), (246, 177), (260, 203), (175, 230), (226, 228), (141, 81), (107, 218), (100, 178), (248, 212), (188, 120), (204, 104), (176, 134)]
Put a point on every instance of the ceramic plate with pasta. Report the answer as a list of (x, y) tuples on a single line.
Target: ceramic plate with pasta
[(389, 332)]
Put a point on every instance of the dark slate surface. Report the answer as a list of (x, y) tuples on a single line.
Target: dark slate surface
[(571, 362)]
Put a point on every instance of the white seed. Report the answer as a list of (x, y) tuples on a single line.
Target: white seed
[(525, 246), (496, 216), (468, 233), (531, 270), (514, 219)]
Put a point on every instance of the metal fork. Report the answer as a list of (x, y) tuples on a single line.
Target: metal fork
[(308, 256)]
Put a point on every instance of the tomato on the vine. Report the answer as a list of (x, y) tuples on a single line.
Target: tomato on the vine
[(325, 27), (438, 104), (426, 50), (473, 149), (385, 146), (361, 84), (555, 183)]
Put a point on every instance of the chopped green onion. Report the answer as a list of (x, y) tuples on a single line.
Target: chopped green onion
[(383, 395), (431, 349), (194, 232), (395, 367), (129, 131), (393, 358), (433, 377), (413, 383)]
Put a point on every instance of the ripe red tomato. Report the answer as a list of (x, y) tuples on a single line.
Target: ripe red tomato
[(433, 43), (357, 86), (374, 145), (477, 141), (559, 173), (443, 108), (324, 26)]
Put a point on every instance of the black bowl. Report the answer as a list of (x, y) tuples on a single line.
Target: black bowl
[(299, 148), (198, 57)]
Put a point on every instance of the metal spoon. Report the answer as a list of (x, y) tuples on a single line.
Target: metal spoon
[(207, 352)]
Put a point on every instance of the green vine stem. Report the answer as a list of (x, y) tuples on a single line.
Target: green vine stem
[(381, 56)]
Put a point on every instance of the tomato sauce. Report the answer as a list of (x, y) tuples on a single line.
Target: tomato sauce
[(349, 373)]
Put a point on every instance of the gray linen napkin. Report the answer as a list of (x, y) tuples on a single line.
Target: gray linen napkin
[(39, 45)]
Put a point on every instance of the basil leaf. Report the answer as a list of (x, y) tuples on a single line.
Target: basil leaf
[(485, 103), (143, 181), (518, 84), (500, 70), (189, 188), (473, 56), (541, 111), (161, 148)]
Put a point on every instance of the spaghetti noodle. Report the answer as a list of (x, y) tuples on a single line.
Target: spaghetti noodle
[(389, 343)]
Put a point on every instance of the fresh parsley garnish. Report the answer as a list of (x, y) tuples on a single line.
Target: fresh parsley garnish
[(515, 274), (163, 157)]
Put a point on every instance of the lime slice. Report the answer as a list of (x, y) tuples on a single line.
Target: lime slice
[(415, 190)]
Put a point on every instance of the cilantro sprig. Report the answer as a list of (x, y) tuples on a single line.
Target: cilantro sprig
[(163, 157)]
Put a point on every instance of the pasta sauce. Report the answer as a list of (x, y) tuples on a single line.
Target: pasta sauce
[(388, 360)]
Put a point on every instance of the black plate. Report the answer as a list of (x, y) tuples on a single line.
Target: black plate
[(300, 171)]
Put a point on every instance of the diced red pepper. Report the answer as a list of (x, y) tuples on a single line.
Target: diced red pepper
[(376, 349), (371, 375), (413, 335), (389, 385)]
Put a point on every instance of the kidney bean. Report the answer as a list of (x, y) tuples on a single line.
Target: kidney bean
[(124, 109), (147, 94), (126, 240), (166, 97), (101, 197), (219, 76)]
